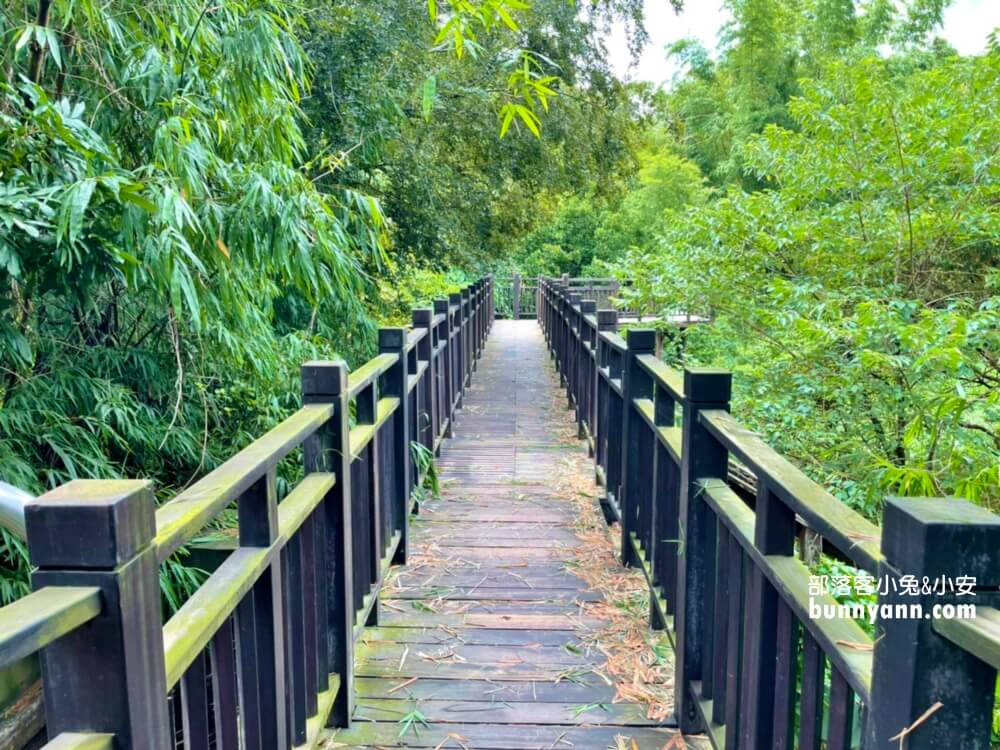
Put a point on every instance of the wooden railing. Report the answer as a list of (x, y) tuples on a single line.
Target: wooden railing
[(755, 666), (260, 657)]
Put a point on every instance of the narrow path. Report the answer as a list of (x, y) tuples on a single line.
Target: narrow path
[(485, 635)]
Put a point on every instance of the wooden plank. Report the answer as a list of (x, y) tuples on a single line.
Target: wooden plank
[(488, 578), (496, 594), (474, 636), (509, 609), (376, 652), (505, 737), (504, 711)]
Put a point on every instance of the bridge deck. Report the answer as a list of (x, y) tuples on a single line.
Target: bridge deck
[(488, 635)]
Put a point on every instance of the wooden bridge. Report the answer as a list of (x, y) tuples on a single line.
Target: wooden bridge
[(357, 610)]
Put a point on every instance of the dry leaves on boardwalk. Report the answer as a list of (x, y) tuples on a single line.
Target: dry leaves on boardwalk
[(640, 662)]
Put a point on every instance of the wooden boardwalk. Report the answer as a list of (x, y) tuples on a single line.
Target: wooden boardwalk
[(485, 635)]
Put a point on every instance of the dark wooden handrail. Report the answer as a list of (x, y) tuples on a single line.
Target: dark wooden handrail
[(261, 655), (725, 583)]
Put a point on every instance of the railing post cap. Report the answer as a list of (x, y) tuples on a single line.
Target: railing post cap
[(440, 305), (455, 298), (606, 317), (324, 377), (941, 536), (464, 294), (708, 385), (422, 316), (588, 305), (641, 339), (90, 523), (391, 339)]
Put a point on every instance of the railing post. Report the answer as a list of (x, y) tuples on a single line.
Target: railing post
[(458, 363), (423, 419), (539, 296), (446, 371), (329, 450), (516, 295), (561, 331), (607, 321), (703, 457), (493, 302), (478, 287), (637, 478), (394, 385), (586, 377), (474, 325), (108, 675), (468, 348), (914, 668)]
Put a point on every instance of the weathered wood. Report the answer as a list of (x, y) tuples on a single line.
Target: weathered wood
[(393, 341), (184, 516), (326, 383), (476, 636), (811, 706), (82, 741), (107, 675), (507, 737), (915, 667), (194, 705), (488, 691), (845, 528), (38, 619), (191, 628), (702, 456), (980, 637), (507, 620), (505, 711), (261, 620)]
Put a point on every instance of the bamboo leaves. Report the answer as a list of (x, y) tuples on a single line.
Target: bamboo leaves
[(75, 200)]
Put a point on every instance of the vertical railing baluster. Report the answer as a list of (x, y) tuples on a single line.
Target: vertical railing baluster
[(295, 637), (703, 457), (99, 533), (914, 667), (774, 534), (445, 371), (588, 372), (468, 352), (365, 503), (616, 416), (572, 348), (636, 479), (329, 450), (395, 382), (261, 625), (662, 552), (458, 356), (607, 322), (424, 419), (222, 650)]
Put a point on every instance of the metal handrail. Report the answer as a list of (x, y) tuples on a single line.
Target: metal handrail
[(12, 502)]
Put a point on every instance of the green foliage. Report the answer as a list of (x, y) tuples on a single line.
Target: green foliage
[(857, 299), (196, 198)]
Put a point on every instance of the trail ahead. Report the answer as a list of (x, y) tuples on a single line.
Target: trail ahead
[(485, 634)]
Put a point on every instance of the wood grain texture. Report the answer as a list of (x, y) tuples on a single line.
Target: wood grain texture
[(485, 632)]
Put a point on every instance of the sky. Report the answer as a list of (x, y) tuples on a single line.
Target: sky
[(966, 24)]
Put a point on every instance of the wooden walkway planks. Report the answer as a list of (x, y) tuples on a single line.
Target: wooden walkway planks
[(485, 633)]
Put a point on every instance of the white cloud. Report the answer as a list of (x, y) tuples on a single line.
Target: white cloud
[(966, 25)]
